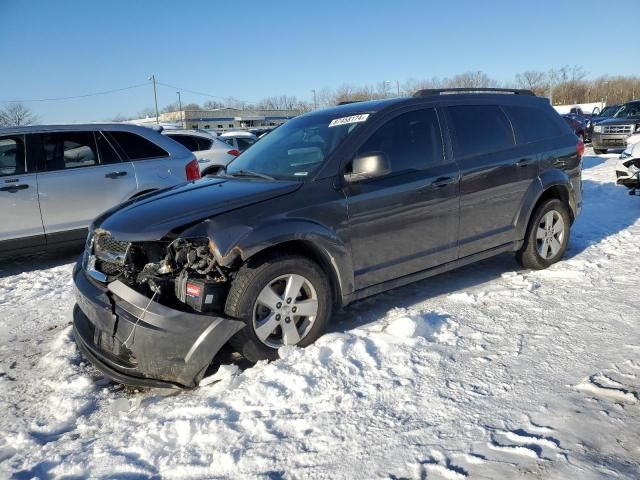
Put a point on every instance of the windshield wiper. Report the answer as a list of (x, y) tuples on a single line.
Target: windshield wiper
[(251, 173)]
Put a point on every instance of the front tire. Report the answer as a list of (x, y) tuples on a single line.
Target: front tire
[(283, 300), (547, 236)]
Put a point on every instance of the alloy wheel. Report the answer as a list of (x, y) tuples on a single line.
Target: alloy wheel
[(285, 311), (550, 234)]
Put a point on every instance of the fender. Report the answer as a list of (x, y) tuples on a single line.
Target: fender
[(238, 243), (547, 180)]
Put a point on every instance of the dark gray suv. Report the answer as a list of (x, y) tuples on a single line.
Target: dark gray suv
[(332, 207)]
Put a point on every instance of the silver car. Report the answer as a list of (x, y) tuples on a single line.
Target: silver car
[(55, 179), (212, 154)]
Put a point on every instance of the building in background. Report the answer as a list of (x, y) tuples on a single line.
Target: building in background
[(222, 119)]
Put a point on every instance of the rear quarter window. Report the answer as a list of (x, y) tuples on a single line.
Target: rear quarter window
[(188, 141), (480, 129), (136, 147), (533, 124)]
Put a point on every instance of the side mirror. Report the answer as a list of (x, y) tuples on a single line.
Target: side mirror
[(368, 165)]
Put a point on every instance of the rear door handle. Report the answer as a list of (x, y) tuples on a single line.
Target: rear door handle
[(525, 162), (442, 182), (14, 188), (115, 174)]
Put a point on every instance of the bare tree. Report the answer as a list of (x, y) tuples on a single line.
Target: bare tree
[(212, 105), (172, 107), (119, 118), (17, 114), (537, 82), (475, 79), (190, 107), (147, 113)]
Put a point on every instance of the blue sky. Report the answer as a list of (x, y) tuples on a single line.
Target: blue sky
[(252, 49)]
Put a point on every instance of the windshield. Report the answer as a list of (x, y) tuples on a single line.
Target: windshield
[(629, 110), (297, 149), (608, 111)]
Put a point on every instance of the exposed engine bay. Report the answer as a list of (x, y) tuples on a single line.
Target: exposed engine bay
[(181, 274)]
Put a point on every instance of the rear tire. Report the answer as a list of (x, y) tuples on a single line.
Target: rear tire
[(600, 151), (259, 296), (547, 235)]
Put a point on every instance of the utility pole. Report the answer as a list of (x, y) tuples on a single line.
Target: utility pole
[(398, 86), (180, 108), (315, 100), (155, 96)]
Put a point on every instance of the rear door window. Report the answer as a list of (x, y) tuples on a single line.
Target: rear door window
[(66, 150), (12, 155), (107, 153), (204, 143), (188, 141), (532, 124), (135, 147), (480, 129), (244, 143)]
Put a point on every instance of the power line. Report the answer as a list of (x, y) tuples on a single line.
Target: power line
[(197, 93), (56, 99)]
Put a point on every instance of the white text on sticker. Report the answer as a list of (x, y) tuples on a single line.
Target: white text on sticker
[(352, 119)]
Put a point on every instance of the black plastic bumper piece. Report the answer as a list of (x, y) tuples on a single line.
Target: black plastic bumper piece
[(136, 341)]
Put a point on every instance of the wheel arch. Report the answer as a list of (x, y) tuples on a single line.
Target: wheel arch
[(552, 184), (313, 252), (239, 244)]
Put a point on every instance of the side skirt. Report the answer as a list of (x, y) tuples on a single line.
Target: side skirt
[(414, 277)]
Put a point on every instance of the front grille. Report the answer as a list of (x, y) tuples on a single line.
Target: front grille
[(612, 142), (110, 254), (618, 129), (105, 244)]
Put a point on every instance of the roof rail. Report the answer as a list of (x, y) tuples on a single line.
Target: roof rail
[(347, 102), (427, 92)]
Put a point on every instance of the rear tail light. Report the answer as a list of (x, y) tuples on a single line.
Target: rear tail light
[(234, 152), (580, 149), (192, 170)]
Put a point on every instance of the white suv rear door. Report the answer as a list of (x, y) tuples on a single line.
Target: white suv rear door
[(79, 176)]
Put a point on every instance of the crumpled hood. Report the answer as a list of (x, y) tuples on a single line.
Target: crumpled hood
[(152, 217)]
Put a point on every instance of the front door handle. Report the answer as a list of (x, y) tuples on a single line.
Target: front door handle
[(14, 188), (524, 162), (115, 174), (442, 182)]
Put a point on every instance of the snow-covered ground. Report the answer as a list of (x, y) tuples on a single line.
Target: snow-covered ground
[(486, 372)]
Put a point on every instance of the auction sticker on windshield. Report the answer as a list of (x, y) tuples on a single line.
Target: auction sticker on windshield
[(346, 120)]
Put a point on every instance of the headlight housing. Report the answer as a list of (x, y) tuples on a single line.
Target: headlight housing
[(597, 128)]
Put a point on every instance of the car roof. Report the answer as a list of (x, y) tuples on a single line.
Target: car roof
[(237, 134), (425, 96), (195, 133), (74, 126)]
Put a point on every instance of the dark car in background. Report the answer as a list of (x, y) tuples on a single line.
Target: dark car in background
[(607, 112), (332, 207), (612, 133), (578, 126)]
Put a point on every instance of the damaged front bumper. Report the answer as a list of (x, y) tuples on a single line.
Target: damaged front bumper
[(134, 340)]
